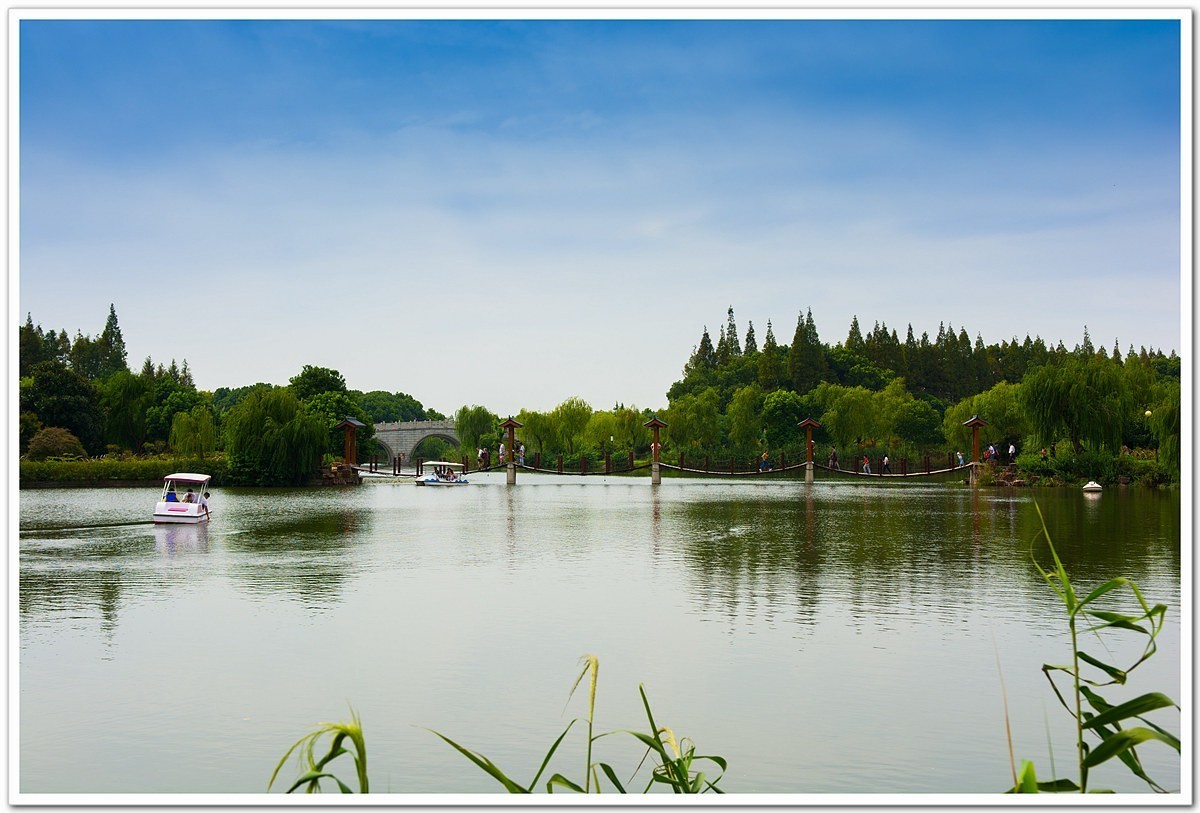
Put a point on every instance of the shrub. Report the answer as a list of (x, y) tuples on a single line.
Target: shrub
[(54, 441)]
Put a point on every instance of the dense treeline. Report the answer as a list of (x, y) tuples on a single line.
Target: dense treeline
[(873, 394), (879, 395), (78, 397)]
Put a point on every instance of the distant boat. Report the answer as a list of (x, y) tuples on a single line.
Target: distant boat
[(1093, 486), (442, 473), (180, 500)]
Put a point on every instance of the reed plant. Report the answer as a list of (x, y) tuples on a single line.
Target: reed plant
[(672, 760), (316, 769), (1103, 730)]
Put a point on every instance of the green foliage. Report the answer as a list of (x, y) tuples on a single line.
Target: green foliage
[(59, 396), (271, 439), (673, 761), (170, 398), (126, 398), (571, 418), (28, 427), (111, 469), (694, 421), (194, 434), (332, 408), (1164, 422), (1099, 719), (919, 424), (225, 399), (315, 769), (745, 415), (387, 407), (538, 430), (54, 441), (601, 426), (782, 411), (476, 427), (1086, 399), (312, 381), (849, 418)]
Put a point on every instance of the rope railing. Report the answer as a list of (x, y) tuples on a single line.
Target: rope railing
[(730, 469)]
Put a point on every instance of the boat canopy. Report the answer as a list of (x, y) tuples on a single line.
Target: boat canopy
[(445, 463), (187, 477)]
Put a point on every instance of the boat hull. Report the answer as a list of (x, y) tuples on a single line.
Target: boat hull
[(442, 483), (179, 513)]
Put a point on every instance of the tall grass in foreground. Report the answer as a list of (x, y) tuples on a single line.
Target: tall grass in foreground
[(672, 759), (1085, 673), (315, 769)]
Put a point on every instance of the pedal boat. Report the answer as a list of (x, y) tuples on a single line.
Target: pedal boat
[(173, 504), (442, 473)]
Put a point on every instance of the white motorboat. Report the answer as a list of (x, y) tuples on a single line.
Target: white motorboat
[(183, 500), (442, 473), (1092, 487)]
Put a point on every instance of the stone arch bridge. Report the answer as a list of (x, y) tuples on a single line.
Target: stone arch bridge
[(403, 437)]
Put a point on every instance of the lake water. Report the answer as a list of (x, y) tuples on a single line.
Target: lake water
[(838, 638)]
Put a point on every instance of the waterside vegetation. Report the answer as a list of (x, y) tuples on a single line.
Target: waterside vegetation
[(1098, 415)]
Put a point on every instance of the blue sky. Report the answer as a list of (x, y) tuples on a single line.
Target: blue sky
[(377, 196)]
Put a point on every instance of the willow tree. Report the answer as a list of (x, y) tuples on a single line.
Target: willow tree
[(271, 439), (476, 426), (1082, 397), (194, 432)]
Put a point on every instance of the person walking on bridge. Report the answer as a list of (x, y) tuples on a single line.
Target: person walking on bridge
[(833, 463), (866, 467)]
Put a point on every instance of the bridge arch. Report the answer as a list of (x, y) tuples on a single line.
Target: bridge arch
[(403, 437)]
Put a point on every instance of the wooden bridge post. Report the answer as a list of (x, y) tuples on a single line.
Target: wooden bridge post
[(654, 424), (975, 423), (560, 464), (608, 463), (510, 459), (808, 424), (350, 447)]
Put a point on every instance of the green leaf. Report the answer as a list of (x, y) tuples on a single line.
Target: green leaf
[(1122, 741), (550, 754), (1127, 622), (1132, 708), (1116, 674), (486, 765), (560, 780)]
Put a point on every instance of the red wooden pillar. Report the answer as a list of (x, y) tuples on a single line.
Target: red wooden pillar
[(350, 448), (654, 424), (975, 423), (808, 425), (510, 459)]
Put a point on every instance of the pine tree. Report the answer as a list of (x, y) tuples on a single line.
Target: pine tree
[(112, 346), (724, 352), (768, 362), (854, 341), (731, 336), (751, 343)]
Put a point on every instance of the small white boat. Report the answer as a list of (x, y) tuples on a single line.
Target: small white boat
[(442, 473), (1092, 486), (182, 499)]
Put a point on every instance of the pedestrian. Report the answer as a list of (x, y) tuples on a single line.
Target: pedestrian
[(1012, 453), (960, 457), (521, 454), (991, 451), (1043, 453), (833, 461), (866, 465), (764, 463), (887, 467), (203, 500), (500, 456)]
